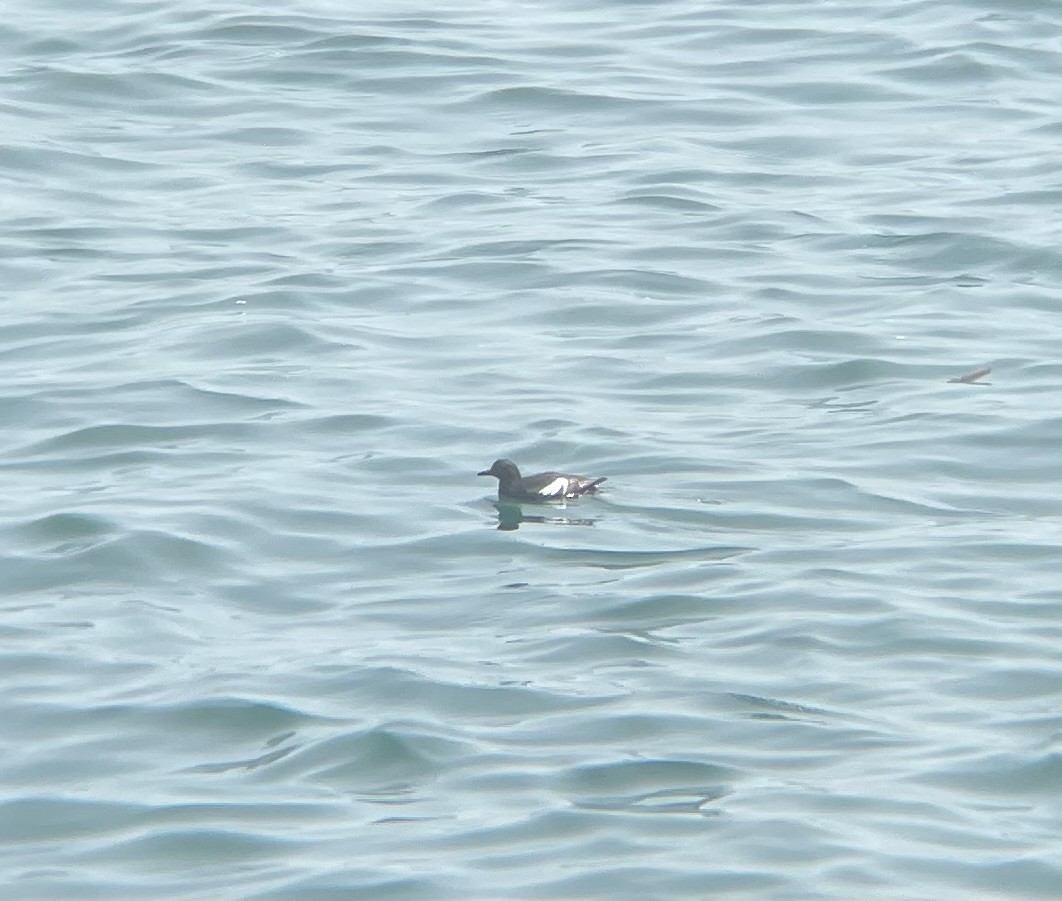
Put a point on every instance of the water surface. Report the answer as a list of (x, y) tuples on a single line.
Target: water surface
[(281, 281)]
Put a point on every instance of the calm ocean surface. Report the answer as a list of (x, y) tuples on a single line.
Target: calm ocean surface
[(279, 279)]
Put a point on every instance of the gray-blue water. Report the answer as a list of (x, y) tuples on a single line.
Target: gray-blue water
[(280, 279)]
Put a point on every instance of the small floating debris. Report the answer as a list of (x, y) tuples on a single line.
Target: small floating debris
[(972, 377)]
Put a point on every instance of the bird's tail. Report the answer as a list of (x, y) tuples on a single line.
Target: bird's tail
[(590, 487)]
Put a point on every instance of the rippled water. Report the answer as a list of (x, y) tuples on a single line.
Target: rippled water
[(280, 281)]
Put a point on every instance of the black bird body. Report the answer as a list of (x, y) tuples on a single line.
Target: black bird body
[(542, 486)]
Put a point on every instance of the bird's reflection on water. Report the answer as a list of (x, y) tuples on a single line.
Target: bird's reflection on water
[(510, 516)]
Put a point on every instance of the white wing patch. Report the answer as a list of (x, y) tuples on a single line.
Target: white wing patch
[(557, 488)]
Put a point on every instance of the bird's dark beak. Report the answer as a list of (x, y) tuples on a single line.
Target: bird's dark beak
[(486, 472)]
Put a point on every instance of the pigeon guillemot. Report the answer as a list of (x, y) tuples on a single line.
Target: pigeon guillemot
[(543, 486)]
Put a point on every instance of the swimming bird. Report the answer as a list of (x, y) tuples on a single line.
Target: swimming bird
[(542, 486), (972, 377)]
